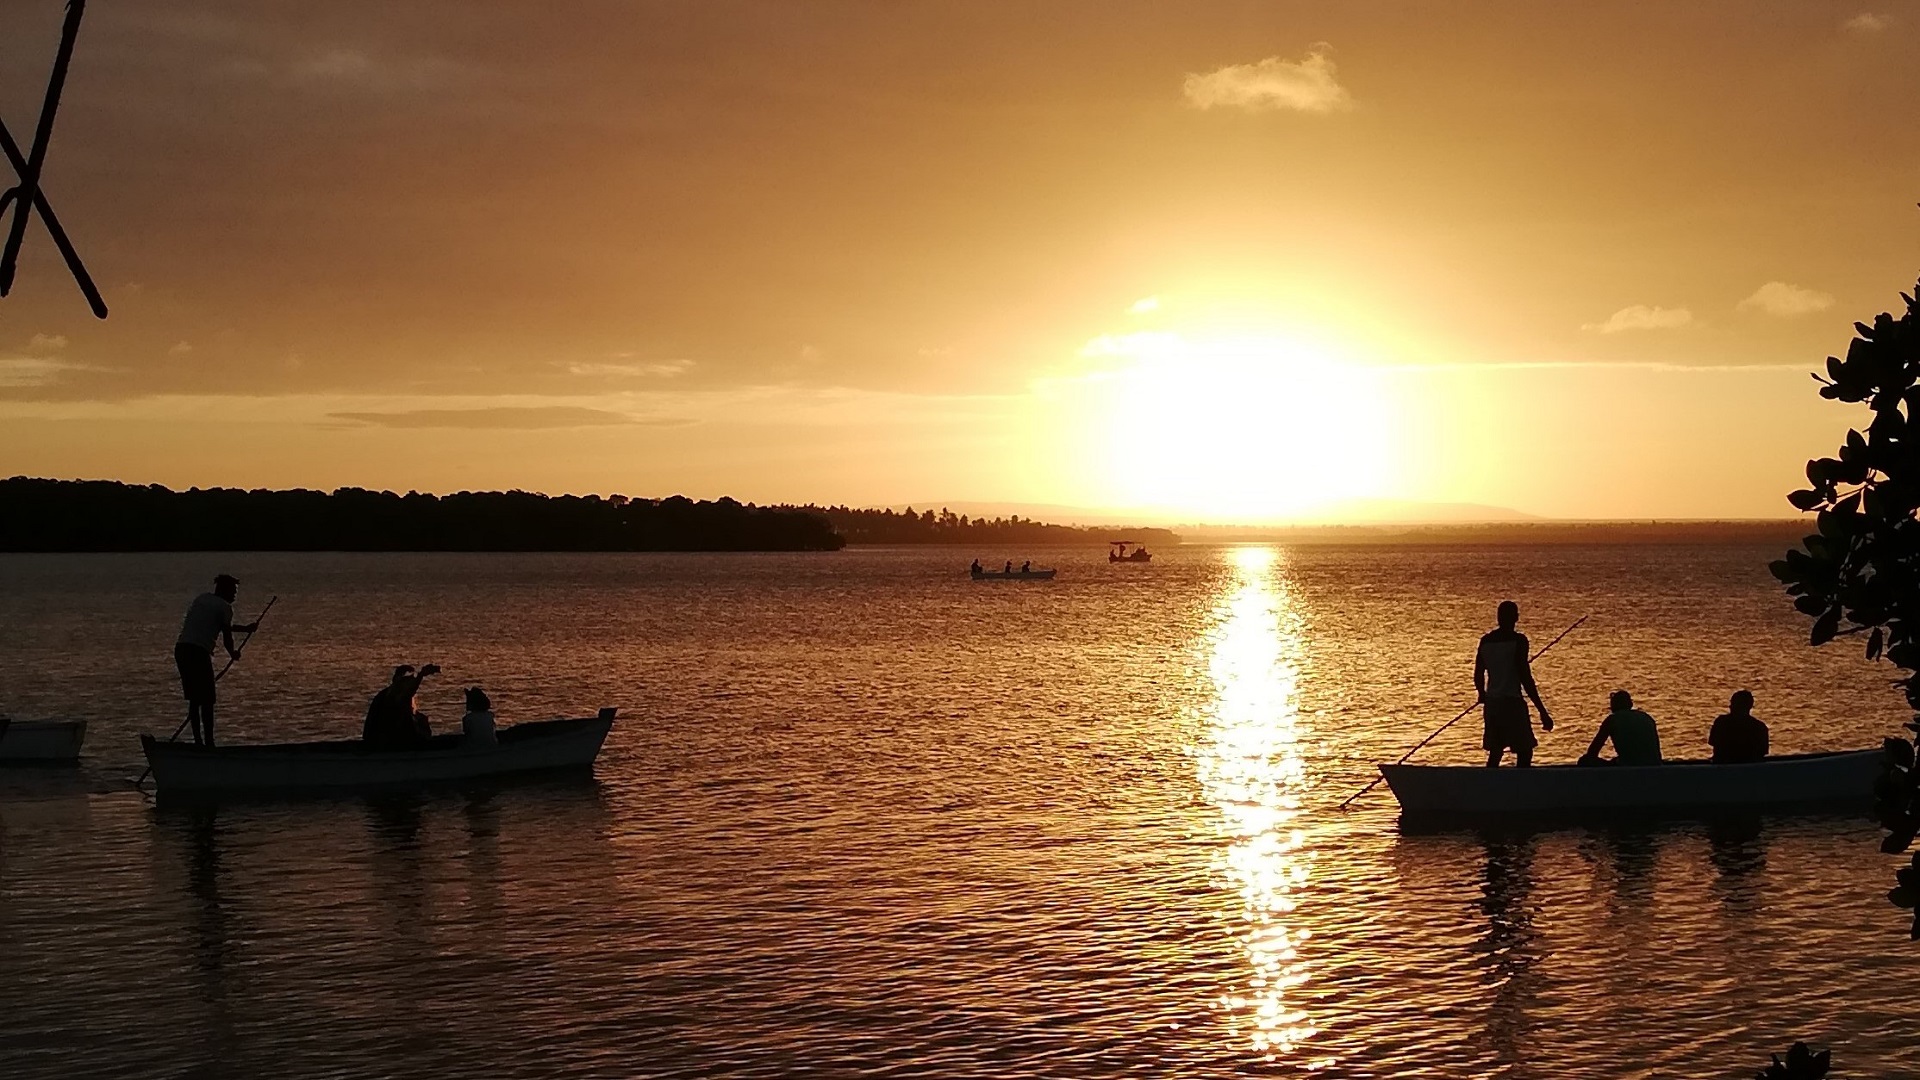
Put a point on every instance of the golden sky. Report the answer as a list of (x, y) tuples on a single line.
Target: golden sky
[(1208, 261)]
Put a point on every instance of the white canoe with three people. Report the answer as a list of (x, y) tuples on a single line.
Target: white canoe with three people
[(276, 769), (1834, 780)]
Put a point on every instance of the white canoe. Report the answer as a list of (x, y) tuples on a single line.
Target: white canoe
[(183, 769), (1795, 780), (41, 741)]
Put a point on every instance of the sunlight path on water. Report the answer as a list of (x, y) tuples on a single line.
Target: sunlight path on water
[(1250, 766)]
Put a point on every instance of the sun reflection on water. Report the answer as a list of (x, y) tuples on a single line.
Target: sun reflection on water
[(1250, 767)]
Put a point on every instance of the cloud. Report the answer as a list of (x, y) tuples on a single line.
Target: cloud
[(27, 371), (664, 369), (357, 70), (46, 343), (1145, 304), (498, 418), (1304, 85), (1642, 317), (181, 348), (1866, 23), (1780, 298)]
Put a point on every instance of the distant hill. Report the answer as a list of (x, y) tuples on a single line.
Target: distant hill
[(1408, 512), (1784, 532), (1345, 512)]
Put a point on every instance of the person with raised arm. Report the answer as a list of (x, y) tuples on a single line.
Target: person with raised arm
[(393, 723)]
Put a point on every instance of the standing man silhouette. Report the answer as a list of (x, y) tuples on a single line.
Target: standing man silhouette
[(210, 616), (1501, 674)]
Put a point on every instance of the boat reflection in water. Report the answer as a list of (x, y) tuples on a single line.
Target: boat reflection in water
[(1250, 767)]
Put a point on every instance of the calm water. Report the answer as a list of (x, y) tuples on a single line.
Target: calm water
[(864, 817)]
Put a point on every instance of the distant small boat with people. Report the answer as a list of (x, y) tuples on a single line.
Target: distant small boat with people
[(1835, 779), (41, 742), (1026, 572), (183, 769), (1127, 551)]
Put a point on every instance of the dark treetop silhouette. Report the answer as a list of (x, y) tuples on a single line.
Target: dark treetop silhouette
[(926, 527), (102, 515), (1860, 573)]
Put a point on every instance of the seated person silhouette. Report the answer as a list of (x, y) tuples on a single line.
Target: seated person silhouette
[(392, 721), (477, 725), (1636, 740), (1738, 737)]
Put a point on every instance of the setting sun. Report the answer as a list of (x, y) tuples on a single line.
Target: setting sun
[(1254, 428)]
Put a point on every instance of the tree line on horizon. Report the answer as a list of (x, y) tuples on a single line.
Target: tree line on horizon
[(106, 515), (889, 526)]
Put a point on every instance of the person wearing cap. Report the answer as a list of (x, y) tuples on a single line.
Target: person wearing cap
[(209, 618)]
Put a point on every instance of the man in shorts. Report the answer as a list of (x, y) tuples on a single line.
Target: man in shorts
[(1502, 675), (209, 618)]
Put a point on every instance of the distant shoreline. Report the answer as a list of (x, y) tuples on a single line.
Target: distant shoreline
[(1787, 531), (75, 516)]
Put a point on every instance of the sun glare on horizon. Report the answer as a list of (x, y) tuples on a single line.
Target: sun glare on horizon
[(1247, 427)]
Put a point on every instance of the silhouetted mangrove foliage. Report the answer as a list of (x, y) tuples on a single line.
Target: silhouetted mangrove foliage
[(1860, 572), (926, 527), (101, 515), (1801, 1063)]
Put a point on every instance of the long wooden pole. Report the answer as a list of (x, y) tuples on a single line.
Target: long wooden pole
[(1463, 714)]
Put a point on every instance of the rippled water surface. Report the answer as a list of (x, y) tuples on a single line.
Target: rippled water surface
[(865, 817)]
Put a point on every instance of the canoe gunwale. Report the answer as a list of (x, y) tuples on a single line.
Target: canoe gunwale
[(282, 770), (1826, 781), (443, 746)]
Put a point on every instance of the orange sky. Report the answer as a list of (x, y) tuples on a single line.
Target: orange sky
[(1202, 260)]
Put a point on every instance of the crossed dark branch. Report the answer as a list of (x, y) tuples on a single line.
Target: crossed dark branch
[(26, 197)]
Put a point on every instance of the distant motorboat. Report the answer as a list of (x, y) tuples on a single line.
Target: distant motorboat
[(1838, 779), (277, 769), (41, 741), (1013, 575), (1119, 552)]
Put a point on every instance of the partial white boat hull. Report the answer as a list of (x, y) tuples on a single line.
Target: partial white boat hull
[(41, 740), (183, 769), (1798, 780)]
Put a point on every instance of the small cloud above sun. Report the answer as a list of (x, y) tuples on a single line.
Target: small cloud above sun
[(1145, 305), (1307, 85), (1780, 298), (1641, 317)]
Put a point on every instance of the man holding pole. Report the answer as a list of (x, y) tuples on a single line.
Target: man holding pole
[(1501, 674), (210, 616)]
